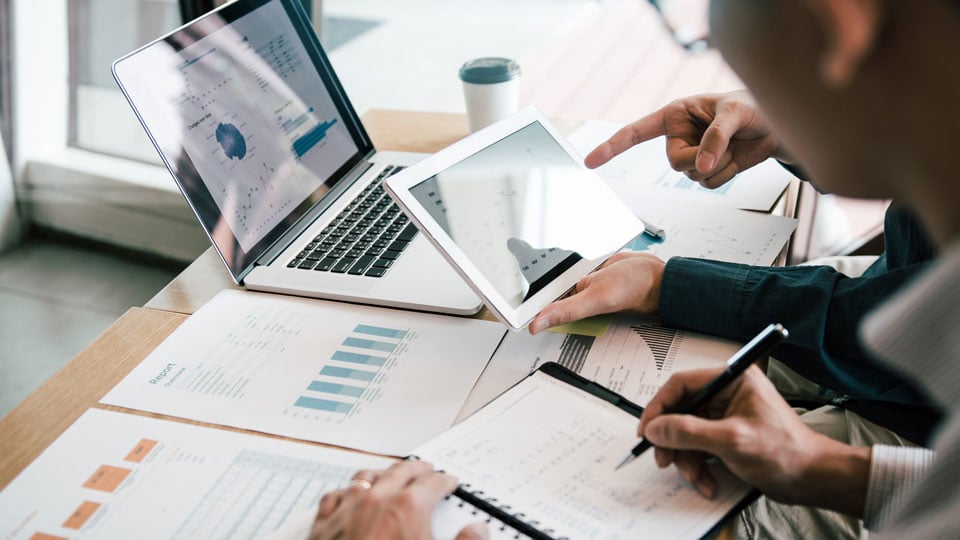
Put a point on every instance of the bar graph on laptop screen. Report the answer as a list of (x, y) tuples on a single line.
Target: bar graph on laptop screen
[(354, 373)]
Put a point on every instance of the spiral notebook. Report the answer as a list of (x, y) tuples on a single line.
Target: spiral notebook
[(539, 461)]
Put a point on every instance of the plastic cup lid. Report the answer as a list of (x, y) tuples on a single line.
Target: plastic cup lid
[(489, 70)]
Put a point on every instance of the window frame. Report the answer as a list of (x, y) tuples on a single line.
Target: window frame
[(111, 199)]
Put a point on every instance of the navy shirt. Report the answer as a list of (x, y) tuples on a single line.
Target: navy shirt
[(822, 309)]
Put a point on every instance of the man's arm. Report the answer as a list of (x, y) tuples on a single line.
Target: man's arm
[(761, 440), (819, 305)]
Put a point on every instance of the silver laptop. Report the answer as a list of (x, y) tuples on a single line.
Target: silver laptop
[(250, 118)]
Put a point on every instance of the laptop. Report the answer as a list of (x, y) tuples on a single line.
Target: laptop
[(249, 117)]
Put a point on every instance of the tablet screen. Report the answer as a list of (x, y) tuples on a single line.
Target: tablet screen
[(516, 209)]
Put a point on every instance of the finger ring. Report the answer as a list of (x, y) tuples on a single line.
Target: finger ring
[(360, 483)]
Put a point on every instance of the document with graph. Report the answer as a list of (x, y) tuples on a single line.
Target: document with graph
[(375, 379), (643, 171), (712, 232), (542, 456), (627, 353), (114, 475)]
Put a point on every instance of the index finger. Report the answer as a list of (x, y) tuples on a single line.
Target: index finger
[(644, 129), (678, 389)]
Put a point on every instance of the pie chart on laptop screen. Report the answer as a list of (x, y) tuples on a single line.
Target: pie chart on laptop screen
[(231, 140)]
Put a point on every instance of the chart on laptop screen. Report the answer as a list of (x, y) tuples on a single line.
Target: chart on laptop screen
[(254, 119)]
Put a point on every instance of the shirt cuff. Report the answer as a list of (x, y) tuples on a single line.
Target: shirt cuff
[(702, 295), (894, 471)]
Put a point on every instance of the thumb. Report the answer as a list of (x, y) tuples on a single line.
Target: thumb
[(572, 308), (688, 432), (474, 531), (716, 139)]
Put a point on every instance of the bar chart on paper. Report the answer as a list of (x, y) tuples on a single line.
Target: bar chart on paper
[(361, 363), (115, 475), (328, 372)]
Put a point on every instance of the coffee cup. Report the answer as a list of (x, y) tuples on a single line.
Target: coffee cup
[(491, 90)]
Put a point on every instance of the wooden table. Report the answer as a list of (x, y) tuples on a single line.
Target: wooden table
[(36, 422)]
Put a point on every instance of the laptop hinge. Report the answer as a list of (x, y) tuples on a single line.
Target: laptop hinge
[(311, 215)]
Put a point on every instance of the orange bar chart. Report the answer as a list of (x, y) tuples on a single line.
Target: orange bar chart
[(141, 451), (107, 478), (80, 516)]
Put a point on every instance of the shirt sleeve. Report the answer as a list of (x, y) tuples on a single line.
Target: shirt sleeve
[(817, 304), (894, 471)]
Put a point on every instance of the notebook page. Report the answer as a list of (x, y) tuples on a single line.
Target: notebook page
[(547, 450)]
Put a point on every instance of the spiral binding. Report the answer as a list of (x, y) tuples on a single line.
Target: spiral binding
[(503, 513)]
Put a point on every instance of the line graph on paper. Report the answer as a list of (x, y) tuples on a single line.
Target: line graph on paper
[(719, 241), (714, 233)]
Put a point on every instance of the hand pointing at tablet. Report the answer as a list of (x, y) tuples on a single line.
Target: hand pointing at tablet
[(710, 138)]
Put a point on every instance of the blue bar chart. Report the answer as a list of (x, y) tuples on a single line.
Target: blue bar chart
[(310, 139), (357, 358), (351, 369), (333, 388), (379, 332)]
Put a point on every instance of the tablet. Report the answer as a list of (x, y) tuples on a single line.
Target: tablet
[(515, 211)]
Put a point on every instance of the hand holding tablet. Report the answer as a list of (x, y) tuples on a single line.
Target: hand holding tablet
[(515, 211)]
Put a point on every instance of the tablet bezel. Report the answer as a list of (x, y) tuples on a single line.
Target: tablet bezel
[(400, 184)]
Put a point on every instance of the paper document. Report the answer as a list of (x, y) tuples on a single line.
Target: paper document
[(643, 171), (113, 475), (712, 232), (449, 517), (546, 450), (634, 358), (377, 379)]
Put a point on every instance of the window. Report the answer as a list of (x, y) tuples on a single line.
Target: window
[(100, 31), (68, 173)]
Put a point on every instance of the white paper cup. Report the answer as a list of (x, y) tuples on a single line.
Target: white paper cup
[(491, 90)]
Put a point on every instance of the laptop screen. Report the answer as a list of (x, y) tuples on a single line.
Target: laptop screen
[(248, 115)]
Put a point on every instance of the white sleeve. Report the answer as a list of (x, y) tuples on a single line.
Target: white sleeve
[(894, 471)]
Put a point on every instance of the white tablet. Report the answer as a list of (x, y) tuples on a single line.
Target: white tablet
[(517, 214)]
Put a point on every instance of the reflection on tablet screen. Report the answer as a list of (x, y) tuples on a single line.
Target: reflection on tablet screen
[(513, 209)]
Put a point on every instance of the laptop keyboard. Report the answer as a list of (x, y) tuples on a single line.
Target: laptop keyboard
[(364, 239)]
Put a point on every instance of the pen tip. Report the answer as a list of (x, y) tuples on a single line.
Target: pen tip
[(624, 461)]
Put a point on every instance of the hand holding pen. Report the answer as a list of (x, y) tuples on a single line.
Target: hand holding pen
[(759, 347), (758, 437)]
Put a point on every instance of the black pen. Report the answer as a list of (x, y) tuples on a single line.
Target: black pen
[(758, 347)]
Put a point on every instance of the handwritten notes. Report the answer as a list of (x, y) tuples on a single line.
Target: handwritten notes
[(547, 450)]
